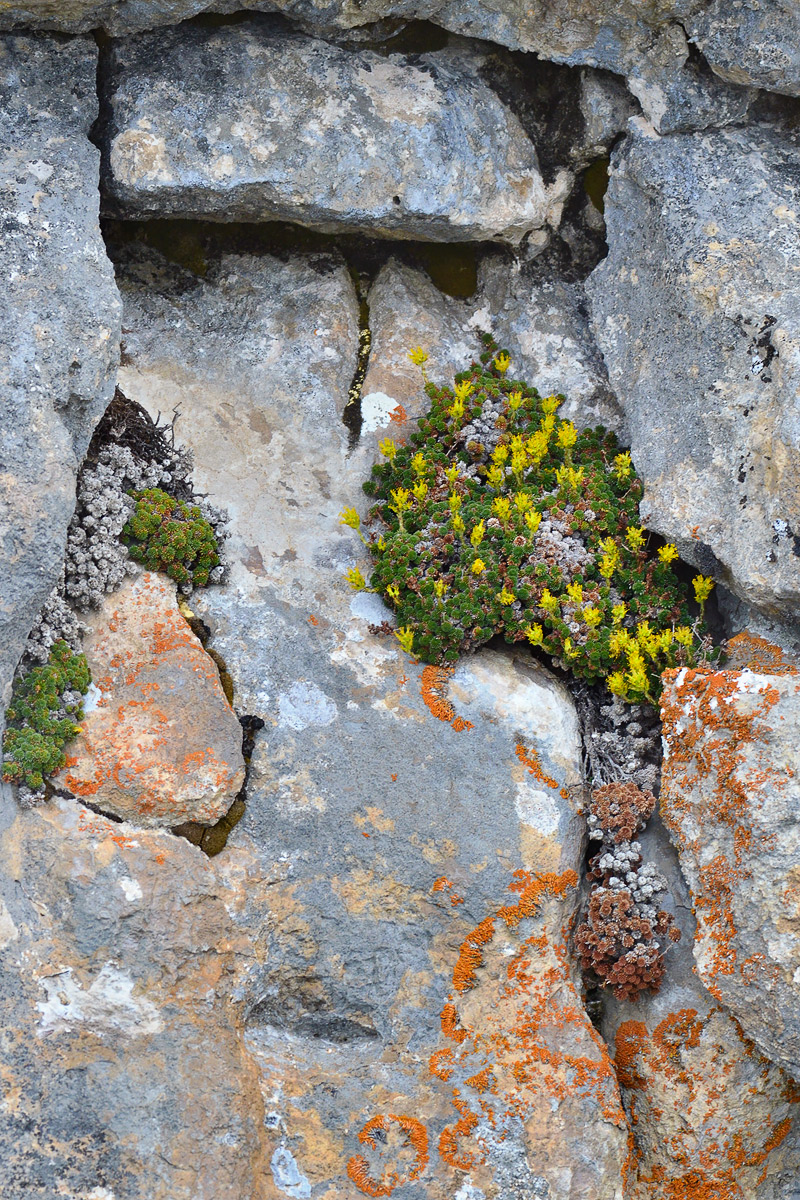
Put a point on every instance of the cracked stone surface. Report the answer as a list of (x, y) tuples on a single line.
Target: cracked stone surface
[(412, 838), (696, 313), (59, 321), (253, 122), (159, 744), (731, 802)]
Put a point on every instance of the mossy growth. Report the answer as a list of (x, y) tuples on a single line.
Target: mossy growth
[(46, 705), (501, 518), (169, 535)]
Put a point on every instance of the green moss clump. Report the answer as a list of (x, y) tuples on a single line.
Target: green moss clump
[(169, 535), (41, 718), (501, 518)]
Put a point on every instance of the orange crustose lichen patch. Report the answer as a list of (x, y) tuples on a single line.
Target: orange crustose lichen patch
[(516, 1026), (433, 687), (699, 1132), (401, 1156), (530, 759), (747, 651), (711, 779)]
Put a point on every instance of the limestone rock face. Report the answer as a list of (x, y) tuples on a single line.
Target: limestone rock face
[(708, 1112), (409, 856), (542, 322), (124, 1072), (159, 744), (696, 312), (757, 42), (731, 801), (249, 121), (59, 320)]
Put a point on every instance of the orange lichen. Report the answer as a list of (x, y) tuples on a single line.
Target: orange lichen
[(712, 778), (312, 620), (749, 652), (398, 415), (534, 1038), (433, 689), (530, 759), (695, 1067), (411, 1140)]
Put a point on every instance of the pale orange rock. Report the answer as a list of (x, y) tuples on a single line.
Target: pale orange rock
[(159, 744)]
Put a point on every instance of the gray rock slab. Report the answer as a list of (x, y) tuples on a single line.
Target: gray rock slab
[(731, 801), (754, 43), (696, 312), (704, 1103), (59, 321), (394, 812), (124, 1068), (252, 122)]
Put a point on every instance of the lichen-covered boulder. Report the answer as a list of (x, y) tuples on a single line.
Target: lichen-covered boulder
[(253, 122), (159, 744), (122, 1059), (412, 844), (709, 1113), (59, 320), (731, 801), (697, 314)]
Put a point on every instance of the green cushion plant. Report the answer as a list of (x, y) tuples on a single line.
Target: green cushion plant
[(169, 535), (42, 717), (499, 517)]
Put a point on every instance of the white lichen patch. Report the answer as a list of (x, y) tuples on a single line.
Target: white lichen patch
[(305, 704), (107, 1006)]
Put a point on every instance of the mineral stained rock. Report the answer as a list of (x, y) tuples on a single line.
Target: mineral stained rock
[(159, 744), (409, 858), (253, 122), (709, 1114), (59, 321), (731, 801), (703, 237), (124, 1072)]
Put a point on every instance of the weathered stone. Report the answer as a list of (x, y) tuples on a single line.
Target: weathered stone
[(755, 43), (123, 1066), (159, 744), (542, 322), (696, 311), (709, 1115), (390, 806), (731, 801), (59, 321), (251, 121)]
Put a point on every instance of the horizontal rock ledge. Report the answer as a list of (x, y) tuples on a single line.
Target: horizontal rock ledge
[(251, 122)]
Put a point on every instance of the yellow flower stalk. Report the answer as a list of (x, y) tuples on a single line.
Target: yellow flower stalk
[(478, 567), (451, 474), (703, 586), (635, 537), (668, 553), (533, 520), (548, 602), (393, 592), (418, 464), (440, 587), (534, 634), (505, 596), (536, 446), (457, 523), (388, 449), (501, 507), (684, 635), (420, 490), (502, 363), (623, 465), (618, 613), (515, 401), (522, 502), (575, 592), (495, 477), (454, 500), (592, 616), (550, 404), (500, 455), (463, 390), (477, 535), (418, 356), (617, 684)]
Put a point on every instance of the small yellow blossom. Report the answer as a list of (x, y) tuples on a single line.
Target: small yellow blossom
[(451, 474), (464, 389), (401, 500), (635, 537), (533, 520), (575, 592), (567, 435), (684, 635), (608, 566), (703, 587), (350, 518), (622, 465), (477, 535), (356, 580), (569, 649), (534, 634), (500, 455), (455, 501), (536, 446), (505, 596), (617, 684), (502, 363), (478, 567), (515, 401), (548, 602), (456, 409), (495, 477), (388, 449), (393, 592), (592, 616), (668, 553), (418, 356), (618, 613), (501, 507), (457, 523), (418, 464), (420, 490), (440, 587), (550, 404), (522, 502), (405, 636), (618, 642)]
